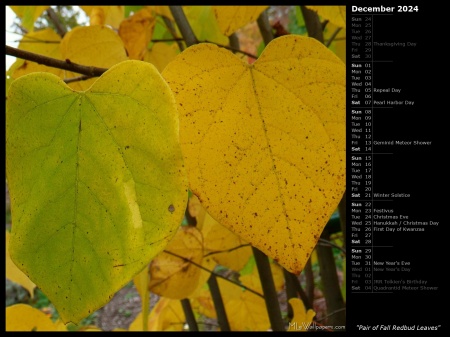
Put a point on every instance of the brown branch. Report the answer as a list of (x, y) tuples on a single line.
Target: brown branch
[(265, 28), (172, 31), (312, 22), (183, 25), (51, 62), (234, 41), (58, 25)]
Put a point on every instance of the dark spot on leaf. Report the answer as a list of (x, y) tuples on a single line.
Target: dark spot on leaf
[(127, 147), (171, 208)]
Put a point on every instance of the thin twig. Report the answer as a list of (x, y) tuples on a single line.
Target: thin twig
[(231, 48), (36, 41), (11, 32), (331, 39), (51, 62), (327, 243), (77, 79), (214, 273), (332, 313), (226, 250)]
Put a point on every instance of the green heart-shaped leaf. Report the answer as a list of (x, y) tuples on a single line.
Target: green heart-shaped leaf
[(97, 182)]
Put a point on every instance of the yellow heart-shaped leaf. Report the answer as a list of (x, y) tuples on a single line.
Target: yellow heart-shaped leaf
[(264, 144)]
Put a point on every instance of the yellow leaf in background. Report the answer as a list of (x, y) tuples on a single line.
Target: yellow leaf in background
[(302, 318), (204, 24), (203, 304), (97, 46), (23, 317), (105, 15), (136, 32), (253, 280), (254, 311), (335, 14), (28, 15), (245, 310), (229, 290), (248, 313), (161, 54), (231, 18), (49, 46), (166, 315), (264, 144), (15, 274), (219, 238), (171, 276)]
